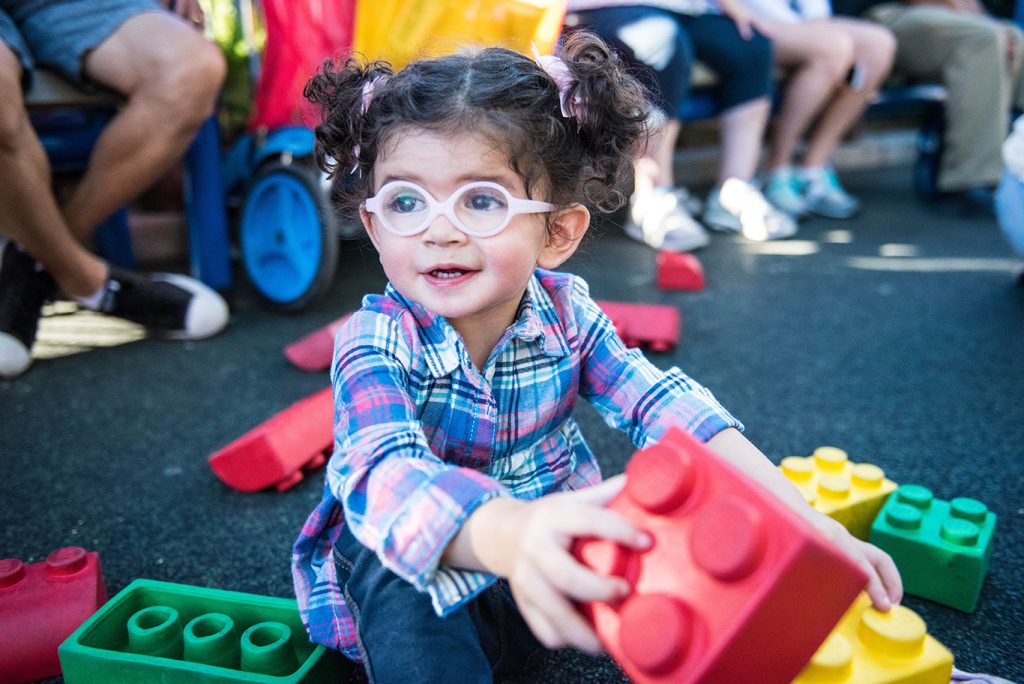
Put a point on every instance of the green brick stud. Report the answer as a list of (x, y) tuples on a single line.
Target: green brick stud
[(941, 548), (267, 649), (155, 631), (211, 639)]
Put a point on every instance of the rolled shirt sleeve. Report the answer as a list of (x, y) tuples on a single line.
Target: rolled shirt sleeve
[(631, 393)]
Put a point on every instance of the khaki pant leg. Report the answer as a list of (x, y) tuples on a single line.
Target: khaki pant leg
[(1013, 35), (966, 53)]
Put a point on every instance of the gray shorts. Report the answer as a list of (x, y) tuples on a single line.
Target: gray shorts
[(59, 33)]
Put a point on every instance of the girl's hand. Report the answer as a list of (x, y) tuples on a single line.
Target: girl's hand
[(884, 584), (545, 577)]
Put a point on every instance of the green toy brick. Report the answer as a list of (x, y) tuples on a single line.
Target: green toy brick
[(941, 548), (166, 633)]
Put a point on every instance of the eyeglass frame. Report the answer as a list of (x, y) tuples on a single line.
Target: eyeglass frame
[(515, 206)]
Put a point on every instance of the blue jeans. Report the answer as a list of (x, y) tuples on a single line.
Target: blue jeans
[(401, 638)]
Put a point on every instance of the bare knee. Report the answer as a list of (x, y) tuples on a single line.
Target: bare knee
[(833, 53), (186, 84), (876, 54)]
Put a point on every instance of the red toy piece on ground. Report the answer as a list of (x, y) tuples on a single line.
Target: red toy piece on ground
[(655, 326), (276, 451), (40, 605), (679, 272), (736, 587), (315, 351)]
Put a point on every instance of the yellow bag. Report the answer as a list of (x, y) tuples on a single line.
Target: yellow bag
[(401, 31)]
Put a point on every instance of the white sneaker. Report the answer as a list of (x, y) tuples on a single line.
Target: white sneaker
[(739, 207), (661, 219)]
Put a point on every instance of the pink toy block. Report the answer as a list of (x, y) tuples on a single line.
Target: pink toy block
[(655, 326), (679, 272), (40, 605), (276, 451), (736, 587), (314, 351)]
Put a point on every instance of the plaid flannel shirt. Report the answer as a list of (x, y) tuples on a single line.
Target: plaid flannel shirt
[(422, 438)]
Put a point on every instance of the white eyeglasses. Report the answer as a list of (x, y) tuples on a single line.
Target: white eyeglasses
[(480, 208)]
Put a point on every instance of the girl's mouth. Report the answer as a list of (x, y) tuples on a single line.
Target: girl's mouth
[(448, 275)]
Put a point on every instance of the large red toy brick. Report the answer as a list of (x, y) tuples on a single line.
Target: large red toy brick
[(40, 605), (736, 587), (315, 351), (655, 326), (679, 271), (276, 451)]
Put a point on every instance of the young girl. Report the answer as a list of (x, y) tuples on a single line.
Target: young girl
[(440, 549)]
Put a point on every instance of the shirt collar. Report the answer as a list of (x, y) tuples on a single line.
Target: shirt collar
[(536, 320)]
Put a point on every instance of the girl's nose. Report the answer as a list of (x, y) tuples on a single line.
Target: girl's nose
[(442, 231)]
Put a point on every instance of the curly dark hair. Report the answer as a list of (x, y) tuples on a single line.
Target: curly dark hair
[(501, 95)]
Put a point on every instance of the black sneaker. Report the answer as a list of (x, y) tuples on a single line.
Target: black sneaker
[(168, 305), (24, 288)]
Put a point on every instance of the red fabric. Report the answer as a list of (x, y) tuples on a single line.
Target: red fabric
[(300, 35)]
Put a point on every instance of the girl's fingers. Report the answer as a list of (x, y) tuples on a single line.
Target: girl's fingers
[(558, 622), (587, 521), (577, 581), (887, 573), (601, 493)]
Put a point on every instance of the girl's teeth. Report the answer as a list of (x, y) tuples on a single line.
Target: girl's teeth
[(446, 274)]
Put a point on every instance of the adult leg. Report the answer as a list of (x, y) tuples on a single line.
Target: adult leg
[(745, 81), (874, 48), (28, 210), (820, 56), (742, 133), (964, 52), (171, 76)]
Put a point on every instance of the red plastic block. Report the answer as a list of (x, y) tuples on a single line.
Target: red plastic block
[(736, 587), (40, 605), (655, 326), (679, 272), (314, 351), (276, 451)]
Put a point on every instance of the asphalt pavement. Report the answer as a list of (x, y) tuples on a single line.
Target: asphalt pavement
[(897, 336)]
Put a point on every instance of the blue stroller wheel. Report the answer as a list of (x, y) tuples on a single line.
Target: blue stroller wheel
[(288, 235)]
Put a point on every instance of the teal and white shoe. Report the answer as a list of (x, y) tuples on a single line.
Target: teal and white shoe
[(785, 191), (825, 196)]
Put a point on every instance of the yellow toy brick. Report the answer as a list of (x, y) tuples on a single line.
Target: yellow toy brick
[(871, 647), (852, 493)]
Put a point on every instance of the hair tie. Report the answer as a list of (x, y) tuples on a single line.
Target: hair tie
[(367, 98), (558, 71)]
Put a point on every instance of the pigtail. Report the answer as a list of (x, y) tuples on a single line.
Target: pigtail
[(340, 90), (612, 120)]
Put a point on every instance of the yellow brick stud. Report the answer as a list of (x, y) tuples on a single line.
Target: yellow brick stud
[(871, 647), (851, 493)]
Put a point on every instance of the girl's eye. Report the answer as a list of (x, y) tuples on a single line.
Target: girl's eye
[(407, 203), (484, 200)]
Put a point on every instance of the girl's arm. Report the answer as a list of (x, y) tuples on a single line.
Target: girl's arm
[(884, 585)]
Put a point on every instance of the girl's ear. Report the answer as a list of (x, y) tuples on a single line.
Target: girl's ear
[(371, 230), (568, 227)]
